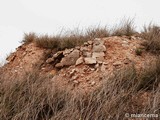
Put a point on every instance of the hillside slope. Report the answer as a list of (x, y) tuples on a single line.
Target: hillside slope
[(84, 65), (109, 65)]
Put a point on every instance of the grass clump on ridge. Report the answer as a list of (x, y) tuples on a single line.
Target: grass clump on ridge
[(69, 40), (28, 38), (46, 41), (97, 32), (152, 34), (77, 37), (125, 27)]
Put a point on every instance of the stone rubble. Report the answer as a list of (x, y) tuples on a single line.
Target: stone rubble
[(85, 65), (91, 52)]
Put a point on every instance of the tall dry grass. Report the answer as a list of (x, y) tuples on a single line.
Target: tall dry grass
[(35, 97), (72, 38), (28, 38), (125, 27), (69, 40), (152, 34)]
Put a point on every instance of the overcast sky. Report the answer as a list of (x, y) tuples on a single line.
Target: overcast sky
[(50, 16)]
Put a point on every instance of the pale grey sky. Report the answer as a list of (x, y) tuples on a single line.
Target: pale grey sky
[(50, 16)]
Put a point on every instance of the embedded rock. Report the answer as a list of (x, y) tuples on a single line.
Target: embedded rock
[(53, 72), (117, 63), (79, 61), (98, 41), (90, 60), (99, 48), (98, 54), (67, 51), (84, 49), (57, 54), (59, 65), (71, 58), (90, 42), (87, 54), (50, 60), (93, 83), (103, 68)]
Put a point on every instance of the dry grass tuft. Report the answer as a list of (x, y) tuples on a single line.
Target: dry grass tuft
[(97, 32), (47, 42), (152, 35), (28, 38), (150, 78), (125, 27)]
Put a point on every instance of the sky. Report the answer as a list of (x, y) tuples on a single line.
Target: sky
[(50, 16)]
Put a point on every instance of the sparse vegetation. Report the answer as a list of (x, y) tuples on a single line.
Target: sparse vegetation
[(47, 42), (98, 32), (77, 37), (69, 40), (150, 78), (28, 38), (125, 27), (152, 35), (138, 51)]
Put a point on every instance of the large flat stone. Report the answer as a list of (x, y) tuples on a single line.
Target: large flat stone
[(71, 58), (90, 60)]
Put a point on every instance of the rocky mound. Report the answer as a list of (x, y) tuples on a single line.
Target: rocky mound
[(82, 67)]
